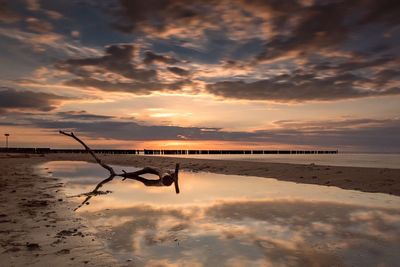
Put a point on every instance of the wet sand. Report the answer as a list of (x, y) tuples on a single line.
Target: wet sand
[(39, 228), (37, 224)]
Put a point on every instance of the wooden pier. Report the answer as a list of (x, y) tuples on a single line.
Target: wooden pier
[(41, 150)]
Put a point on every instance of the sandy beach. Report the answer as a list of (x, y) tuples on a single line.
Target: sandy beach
[(39, 228)]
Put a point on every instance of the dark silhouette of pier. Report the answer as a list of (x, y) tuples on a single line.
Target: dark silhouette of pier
[(41, 150)]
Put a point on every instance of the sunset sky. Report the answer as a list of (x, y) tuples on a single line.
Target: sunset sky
[(201, 74)]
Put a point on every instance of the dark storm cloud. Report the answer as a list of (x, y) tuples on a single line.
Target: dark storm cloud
[(39, 26), (11, 99), (317, 26), (7, 14), (385, 76), (151, 57), (353, 64), (118, 58), (139, 88), (386, 11), (81, 115), (179, 71), (295, 25), (135, 15), (298, 88), (325, 24)]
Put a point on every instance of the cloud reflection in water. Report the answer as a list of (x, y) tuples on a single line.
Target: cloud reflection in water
[(221, 220)]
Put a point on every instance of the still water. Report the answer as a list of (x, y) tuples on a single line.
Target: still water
[(230, 220)]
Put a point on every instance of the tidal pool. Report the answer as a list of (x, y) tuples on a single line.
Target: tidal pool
[(232, 220)]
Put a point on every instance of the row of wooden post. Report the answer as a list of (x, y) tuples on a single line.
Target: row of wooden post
[(164, 151)]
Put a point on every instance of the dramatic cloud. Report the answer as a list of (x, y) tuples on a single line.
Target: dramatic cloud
[(362, 134), (298, 88), (151, 57), (358, 134), (37, 25), (130, 130), (294, 51), (117, 59), (159, 16), (329, 78), (7, 14), (54, 44), (139, 88), (118, 70), (81, 115), (292, 26), (11, 99), (323, 25), (178, 71)]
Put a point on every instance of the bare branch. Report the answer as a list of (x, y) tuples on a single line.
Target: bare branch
[(95, 191), (148, 170), (105, 166), (176, 178), (165, 179), (140, 172)]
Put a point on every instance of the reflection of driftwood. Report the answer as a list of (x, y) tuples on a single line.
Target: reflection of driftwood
[(95, 192), (165, 178)]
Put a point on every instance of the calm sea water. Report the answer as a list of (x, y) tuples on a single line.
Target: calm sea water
[(356, 160), (231, 220)]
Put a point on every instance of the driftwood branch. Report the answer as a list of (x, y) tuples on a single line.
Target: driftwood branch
[(105, 166), (176, 178), (165, 178)]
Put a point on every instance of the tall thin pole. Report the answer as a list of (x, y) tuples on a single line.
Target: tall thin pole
[(7, 135)]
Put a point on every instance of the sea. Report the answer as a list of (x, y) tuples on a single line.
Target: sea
[(372, 160)]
